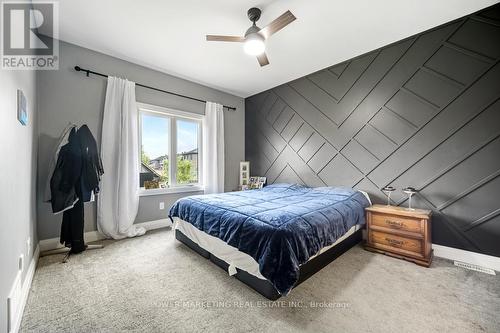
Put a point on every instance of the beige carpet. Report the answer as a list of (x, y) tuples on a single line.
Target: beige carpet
[(155, 284)]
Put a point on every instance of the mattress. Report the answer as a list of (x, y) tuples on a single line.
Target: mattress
[(231, 255), (280, 226)]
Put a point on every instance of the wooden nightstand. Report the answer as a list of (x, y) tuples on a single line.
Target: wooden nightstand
[(399, 232)]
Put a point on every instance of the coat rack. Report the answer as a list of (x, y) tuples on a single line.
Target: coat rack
[(68, 251), (63, 249)]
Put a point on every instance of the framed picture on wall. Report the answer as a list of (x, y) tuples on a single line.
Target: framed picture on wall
[(257, 182), (22, 108), (244, 173)]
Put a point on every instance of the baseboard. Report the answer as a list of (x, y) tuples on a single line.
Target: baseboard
[(23, 296), (92, 236), (53, 243), (467, 257), (439, 250), (157, 224)]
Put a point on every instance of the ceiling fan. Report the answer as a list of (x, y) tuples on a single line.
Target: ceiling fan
[(255, 37)]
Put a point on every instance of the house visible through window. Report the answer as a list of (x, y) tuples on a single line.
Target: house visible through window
[(187, 152), (165, 133)]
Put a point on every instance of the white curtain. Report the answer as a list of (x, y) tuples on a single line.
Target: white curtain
[(213, 148), (118, 200)]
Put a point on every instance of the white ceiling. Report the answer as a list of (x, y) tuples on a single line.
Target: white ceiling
[(170, 35)]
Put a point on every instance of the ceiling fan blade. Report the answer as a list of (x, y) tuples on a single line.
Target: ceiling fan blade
[(215, 38), (263, 61), (278, 24)]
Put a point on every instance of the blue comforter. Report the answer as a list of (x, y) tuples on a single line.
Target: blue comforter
[(281, 226)]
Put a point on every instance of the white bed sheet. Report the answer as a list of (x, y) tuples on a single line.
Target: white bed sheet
[(234, 257), (231, 255)]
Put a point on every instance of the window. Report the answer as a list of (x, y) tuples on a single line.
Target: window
[(187, 151), (163, 134)]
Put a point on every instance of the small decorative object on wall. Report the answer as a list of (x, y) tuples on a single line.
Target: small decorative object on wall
[(257, 182), (244, 174), (22, 108), (388, 191), (410, 191)]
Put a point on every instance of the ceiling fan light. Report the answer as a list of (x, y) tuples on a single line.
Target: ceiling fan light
[(254, 44)]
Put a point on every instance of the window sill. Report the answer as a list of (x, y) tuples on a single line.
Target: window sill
[(171, 190)]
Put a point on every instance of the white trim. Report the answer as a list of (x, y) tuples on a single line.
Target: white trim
[(469, 257), (172, 165), (53, 243), (25, 290), (173, 116), (201, 154), (169, 112), (92, 236), (171, 190), (157, 224)]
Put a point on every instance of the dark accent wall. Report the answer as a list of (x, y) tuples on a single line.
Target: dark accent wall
[(424, 112)]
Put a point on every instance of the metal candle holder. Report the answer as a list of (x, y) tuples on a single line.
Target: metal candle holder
[(388, 190), (410, 191)]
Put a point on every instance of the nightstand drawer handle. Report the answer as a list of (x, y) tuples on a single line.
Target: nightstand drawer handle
[(394, 224), (394, 242)]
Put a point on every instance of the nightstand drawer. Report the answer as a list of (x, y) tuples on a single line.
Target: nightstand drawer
[(397, 222), (396, 243)]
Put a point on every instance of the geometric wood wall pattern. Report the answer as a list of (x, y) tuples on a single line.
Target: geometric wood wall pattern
[(423, 112)]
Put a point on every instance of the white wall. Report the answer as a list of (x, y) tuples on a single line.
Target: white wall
[(17, 181), (68, 96)]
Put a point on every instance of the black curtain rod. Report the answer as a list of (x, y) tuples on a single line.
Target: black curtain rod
[(88, 72)]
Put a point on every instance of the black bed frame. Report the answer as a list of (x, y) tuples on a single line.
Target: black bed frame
[(265, 287)]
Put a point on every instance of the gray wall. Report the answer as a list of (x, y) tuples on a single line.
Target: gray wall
[(17, 181), (68, 96), (424, 112)]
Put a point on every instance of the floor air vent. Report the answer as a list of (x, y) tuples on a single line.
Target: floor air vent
[(474, 267)]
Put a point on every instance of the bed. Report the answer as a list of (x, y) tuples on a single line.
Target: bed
[(274, 238)]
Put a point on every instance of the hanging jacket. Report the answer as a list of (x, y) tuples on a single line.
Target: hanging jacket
[(92, 169), (63, 139), (66, 174)]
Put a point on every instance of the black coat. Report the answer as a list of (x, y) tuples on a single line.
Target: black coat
[(92, 169), (78, 160), (66, 173)]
